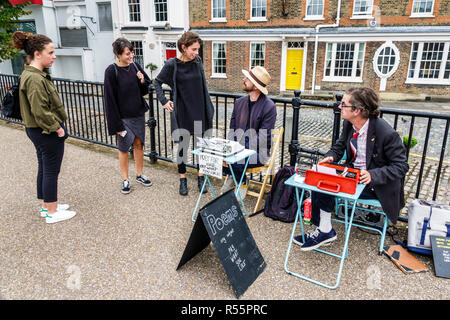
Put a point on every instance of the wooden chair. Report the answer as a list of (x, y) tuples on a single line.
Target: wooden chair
[(268, 168)]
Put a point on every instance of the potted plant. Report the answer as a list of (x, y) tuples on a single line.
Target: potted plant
[(413, 142), (152, 68)]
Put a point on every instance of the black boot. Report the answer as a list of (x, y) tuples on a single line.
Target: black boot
[(200, 181), (183, 187)]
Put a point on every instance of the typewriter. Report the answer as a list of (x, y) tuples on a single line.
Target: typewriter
[(219, 146)]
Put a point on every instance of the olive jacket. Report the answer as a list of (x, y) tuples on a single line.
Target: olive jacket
[(40, 104)]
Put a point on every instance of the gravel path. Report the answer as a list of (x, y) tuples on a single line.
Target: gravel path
[(128, 246)]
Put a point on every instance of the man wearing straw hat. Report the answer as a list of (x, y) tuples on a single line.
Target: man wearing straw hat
[(252, 121)]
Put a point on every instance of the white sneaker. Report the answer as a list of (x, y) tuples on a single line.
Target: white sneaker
[(61, 207), (59, 216)]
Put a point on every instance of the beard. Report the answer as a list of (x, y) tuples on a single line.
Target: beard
[(248, 88)]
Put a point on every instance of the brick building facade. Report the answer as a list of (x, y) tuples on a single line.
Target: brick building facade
[(393, 46)]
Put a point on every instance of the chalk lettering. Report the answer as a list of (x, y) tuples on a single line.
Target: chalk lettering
[(225, 218)]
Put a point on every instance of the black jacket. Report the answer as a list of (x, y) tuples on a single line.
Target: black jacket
[(168, 75), (385, 160), (123, 95)]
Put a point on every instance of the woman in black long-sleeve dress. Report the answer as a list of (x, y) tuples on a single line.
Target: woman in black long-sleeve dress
[(125, 85), (191, 108)]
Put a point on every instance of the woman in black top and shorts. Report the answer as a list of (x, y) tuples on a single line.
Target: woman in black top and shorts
[(125, 85), (191, 111)]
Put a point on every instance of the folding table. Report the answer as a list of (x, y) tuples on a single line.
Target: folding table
[(348, 224), (244, 154)]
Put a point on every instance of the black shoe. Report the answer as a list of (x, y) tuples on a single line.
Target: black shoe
[(183, 187), (126, 187), (200, 181), (144, 180)]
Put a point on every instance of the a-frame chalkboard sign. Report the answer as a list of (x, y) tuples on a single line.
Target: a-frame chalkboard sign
[(222, 222)]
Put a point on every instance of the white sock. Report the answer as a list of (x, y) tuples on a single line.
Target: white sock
[(325, 221)]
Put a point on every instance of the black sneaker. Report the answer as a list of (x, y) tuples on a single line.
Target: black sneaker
[(200, 181), (183, 187), (142, 179), (317, 239), (299, 239), (126, 187)]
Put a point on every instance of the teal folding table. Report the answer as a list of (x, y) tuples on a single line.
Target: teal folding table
[(348, 224), (235, 158)]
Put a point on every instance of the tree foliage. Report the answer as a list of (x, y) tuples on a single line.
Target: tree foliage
[(9, 14)]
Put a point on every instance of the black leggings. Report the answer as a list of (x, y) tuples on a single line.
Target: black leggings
[(181, 165), (49, 151)]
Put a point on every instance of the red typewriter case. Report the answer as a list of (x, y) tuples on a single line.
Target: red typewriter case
[(346, 180)]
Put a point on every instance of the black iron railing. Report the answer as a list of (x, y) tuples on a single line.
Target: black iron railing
[(311, 127)]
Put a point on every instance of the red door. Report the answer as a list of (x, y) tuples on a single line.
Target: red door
[(171, 53)]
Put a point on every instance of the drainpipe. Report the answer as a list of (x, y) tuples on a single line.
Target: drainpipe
[(318, 27), (57, 25)]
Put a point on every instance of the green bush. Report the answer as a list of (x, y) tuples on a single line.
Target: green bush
[(413, 142)]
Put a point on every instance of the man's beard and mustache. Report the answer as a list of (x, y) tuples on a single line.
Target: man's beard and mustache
[(249, 89)]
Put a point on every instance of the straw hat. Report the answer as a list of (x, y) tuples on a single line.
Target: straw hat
[(259, 77)]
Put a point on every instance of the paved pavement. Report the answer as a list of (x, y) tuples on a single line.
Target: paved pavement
[(128, 246)]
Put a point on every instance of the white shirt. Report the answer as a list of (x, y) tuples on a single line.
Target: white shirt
[(360, 161)]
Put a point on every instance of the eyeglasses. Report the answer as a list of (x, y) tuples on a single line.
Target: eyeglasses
[(345, 106), (349, 106)]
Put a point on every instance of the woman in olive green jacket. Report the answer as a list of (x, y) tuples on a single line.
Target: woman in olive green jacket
[(43, 114)]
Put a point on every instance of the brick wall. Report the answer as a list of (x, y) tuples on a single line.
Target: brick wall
[(237, 10), (395, 83), (236, 61), (393, 13)]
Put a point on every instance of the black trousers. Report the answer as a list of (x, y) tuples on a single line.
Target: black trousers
[(181, 165), (49, 151), (327, 203), (182, 145)]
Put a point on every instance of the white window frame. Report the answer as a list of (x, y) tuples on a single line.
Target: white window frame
[(362, 15), (251, 51), (416, 79), (134, 42), (314, 17), (353, 77), (218, 19), (376, 66), (154, 13), (422, 14), (394, 66), (127, 4), (98, 4), (252, 18), (213, 61)]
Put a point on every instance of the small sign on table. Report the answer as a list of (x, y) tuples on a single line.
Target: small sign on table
[(210, 164)]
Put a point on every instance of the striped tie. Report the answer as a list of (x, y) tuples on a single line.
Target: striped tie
[(354, 144)]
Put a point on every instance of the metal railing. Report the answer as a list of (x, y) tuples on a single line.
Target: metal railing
[(304, 132)]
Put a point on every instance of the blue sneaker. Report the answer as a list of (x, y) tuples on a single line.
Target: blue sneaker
[(317, 239), (299, 240)]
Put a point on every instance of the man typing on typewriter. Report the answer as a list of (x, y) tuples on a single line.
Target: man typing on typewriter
[(252, 121), (374, 147)]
